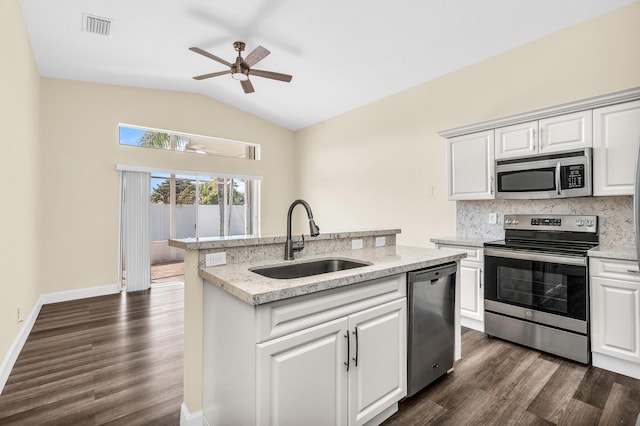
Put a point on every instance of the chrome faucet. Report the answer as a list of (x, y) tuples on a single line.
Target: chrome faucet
[(289, 247)]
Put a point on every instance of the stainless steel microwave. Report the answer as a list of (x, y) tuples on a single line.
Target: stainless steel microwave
[(557, 175)]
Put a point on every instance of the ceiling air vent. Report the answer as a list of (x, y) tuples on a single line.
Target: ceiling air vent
[(97, 25)]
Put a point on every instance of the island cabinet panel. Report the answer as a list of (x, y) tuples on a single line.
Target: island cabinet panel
[(302, 377), (378, 370), (307, 373)]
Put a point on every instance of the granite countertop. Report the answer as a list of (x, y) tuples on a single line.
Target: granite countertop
[(613, 253), (255, 240), (462, 241), (255, 289)]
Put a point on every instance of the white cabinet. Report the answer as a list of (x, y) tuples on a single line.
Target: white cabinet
[(471, 289), (561, 133), (616, 130), (303, 377), (615, 315), (336, 357), (470, 166)]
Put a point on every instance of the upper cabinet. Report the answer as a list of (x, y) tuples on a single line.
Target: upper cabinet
[(470, 166), (562, 133), (616, 135)]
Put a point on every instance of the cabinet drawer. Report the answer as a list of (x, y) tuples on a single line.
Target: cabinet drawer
[(474, 254), (614, 268), (287, 316)]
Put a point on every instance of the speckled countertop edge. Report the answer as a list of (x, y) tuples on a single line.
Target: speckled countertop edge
[(255, 289), (613, 253), (253, 240), (462, 241)]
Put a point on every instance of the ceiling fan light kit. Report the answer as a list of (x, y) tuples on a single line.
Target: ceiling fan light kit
[(241, 69)]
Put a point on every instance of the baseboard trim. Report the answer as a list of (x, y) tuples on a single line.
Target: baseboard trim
[(617, 365), (472, 323), (190, 419), (62, 296), (12, 355), (83, 293)]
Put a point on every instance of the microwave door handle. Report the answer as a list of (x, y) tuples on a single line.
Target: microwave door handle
[(558, 168)]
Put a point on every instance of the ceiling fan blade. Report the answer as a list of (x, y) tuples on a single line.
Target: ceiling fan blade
[(209, 55), (271, 74), (213, 74), (258, 54), (247, 86)]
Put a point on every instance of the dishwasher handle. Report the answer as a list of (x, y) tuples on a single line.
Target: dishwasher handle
[(433, 275)]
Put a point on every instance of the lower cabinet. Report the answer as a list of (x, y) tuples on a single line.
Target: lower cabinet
[(471, 286), (337, 357), (615, 315), (343, 372)]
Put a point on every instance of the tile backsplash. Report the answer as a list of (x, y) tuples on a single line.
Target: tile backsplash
[(615, 215)]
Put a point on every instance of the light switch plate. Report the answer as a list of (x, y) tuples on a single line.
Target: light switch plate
[(493, 218), (215, 259), (357, 244), (381, 241)]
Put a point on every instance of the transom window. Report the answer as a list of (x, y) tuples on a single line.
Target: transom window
[(183, 142)]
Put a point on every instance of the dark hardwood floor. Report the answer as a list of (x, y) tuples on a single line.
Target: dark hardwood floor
[(117, 360), (113, 360), (500, 383)]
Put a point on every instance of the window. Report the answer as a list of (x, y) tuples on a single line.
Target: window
[(162, 139), (199, 206)]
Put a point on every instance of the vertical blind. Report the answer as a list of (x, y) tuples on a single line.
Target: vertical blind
[(135, 230)]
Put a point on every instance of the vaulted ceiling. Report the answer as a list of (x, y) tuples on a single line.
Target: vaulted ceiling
[(342, 53)]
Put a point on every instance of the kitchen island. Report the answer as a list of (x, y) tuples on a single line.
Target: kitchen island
[(271, 350)]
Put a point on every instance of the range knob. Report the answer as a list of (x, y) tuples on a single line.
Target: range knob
[(589, 223), (515, 221), (507, 221), (580, 222)]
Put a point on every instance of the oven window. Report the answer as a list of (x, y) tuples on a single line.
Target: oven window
[(545, 290), (549, 287), (527, 180)]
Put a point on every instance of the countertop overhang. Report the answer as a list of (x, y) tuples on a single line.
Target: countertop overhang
[(256, 289)]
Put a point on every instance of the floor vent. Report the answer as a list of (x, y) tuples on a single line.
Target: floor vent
[(97, 25)]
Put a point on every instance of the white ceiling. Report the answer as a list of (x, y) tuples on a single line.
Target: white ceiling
[(342, 53)]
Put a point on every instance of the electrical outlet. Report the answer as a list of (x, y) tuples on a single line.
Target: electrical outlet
[(381, 241), (215, 259), (357, 244), (493, 218)]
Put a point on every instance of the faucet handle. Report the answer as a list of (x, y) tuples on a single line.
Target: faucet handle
[(298, 246)]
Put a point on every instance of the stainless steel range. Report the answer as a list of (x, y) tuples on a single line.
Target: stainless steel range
[(537, 283)]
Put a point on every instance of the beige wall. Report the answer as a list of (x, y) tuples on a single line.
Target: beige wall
[(80, 182), (374, 167), (19, 174)]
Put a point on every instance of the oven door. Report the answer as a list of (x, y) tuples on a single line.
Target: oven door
[(545, 288)]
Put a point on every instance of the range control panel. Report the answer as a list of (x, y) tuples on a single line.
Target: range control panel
[(576, 223)]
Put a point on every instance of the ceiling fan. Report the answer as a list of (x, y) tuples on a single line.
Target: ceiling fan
[(241, 68)]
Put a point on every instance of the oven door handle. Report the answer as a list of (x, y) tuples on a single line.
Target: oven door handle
[(536, 257), (558, 182)]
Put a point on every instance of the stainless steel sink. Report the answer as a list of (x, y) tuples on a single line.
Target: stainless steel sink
[(306, 269)]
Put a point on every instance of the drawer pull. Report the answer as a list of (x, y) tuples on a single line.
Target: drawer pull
[(633, 271)]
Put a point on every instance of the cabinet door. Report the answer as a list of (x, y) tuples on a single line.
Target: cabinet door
[(616, 132), (379, 344), (470, 166), (518, 140), (566, 132), (471, 293), (615, 317), (302, 377)]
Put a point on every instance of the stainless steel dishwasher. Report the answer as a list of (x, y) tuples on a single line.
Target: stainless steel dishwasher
[(430, 339)]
